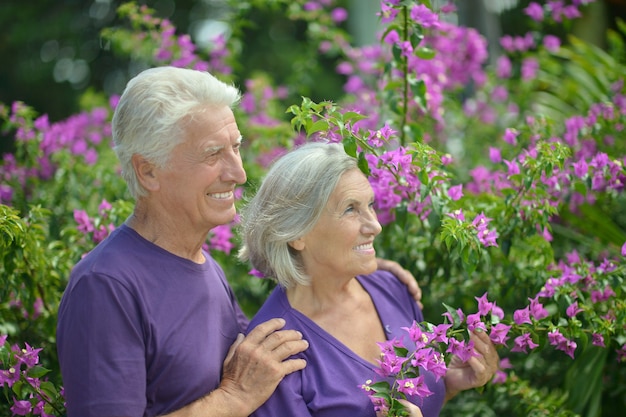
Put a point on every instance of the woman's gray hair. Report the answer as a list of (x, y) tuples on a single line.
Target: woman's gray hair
[(287, 206), (148, 119)]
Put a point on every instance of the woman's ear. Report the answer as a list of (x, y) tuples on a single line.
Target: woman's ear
[(145, 172), (297, 244)]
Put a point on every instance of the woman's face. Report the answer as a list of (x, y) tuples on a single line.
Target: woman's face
[(341, 243)]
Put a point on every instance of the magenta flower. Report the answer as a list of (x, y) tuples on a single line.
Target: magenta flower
[(220, 238), (568, 346), (488, 238), (512, 167), (417, 335), (555, 337), (459, 313), (455, 192), (424, 16), (474, 322), (414, 386), (551, 43), (504, 67), (624, 249), (339, 14), (104, 207), (390, 364), (499, 334), (510, 136), (387, 13), (440, 333), (461, 349), (392, 37), (458, 215), (84, 222), (523, 343), (537, 310), (484, 305), (522, 316), (597, 340), (581, 168), (20, 408), (28, 356), (494, 155), (534, 11), (573, 309), (530, 66), (436, 365)]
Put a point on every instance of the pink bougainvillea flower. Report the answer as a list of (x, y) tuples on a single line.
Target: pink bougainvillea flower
[(522, 316), (534, 11), (523, 343), (414, 386), (499, 334), (455, 192)]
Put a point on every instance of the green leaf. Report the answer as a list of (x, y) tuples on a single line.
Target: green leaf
[(37, 371), (349, 145), (425, 52), (456, 319), (363, 164)]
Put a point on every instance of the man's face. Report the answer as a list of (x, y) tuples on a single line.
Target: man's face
[(196, 186)]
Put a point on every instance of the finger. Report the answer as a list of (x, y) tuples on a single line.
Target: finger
[(290, 348), (414, 411), (293, 365), (233, 347), (261, 331), (281, 340), (485, 347)]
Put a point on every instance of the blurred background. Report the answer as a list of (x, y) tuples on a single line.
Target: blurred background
[(51, 50)]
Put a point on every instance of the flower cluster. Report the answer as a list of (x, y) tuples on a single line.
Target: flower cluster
[(33, 395), (584, 287), (402, 363), (41, 142)]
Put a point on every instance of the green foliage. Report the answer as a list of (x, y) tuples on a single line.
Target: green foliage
[(41, 236)]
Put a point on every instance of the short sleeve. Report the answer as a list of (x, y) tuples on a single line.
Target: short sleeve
[(101, 348)]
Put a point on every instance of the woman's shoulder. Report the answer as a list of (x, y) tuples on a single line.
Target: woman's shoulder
[(383, 281), (276, 305)]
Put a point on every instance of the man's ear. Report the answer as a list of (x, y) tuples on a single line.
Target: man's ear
[(297, 244), (145, 172)]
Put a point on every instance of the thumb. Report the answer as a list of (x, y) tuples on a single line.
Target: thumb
[(414, 411), (233, 347)]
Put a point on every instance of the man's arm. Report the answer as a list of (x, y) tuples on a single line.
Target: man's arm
[(253, 368)]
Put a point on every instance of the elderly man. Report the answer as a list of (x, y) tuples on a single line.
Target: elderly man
[(148, 325)]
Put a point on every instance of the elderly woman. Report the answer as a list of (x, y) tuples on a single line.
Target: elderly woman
[(311, 227)]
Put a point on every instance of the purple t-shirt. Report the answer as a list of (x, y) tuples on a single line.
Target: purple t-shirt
[(141, 331), (329, 386)]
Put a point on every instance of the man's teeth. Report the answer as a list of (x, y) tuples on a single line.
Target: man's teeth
[(221, 195), (364, 247)]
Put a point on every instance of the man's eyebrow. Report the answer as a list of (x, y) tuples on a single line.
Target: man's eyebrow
[(211, 149)]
